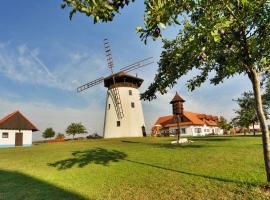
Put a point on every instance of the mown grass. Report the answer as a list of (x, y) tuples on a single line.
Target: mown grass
[(138, 168)]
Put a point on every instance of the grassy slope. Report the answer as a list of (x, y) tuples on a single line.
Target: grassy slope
[(142, 168)]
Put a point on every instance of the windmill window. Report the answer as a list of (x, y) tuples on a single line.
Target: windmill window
[(109, 106), (5, 135), (132, 105), (118, 123), (130, 92)]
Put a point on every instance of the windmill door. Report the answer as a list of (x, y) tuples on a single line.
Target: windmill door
[(19, 139)]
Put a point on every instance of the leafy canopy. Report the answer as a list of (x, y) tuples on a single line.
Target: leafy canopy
[(246, 114), (224, 37), (75, 128), (48, 133), (223, 124)]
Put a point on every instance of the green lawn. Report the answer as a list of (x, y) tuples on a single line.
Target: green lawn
[(141, 168)]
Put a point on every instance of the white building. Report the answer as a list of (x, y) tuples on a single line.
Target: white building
[(191, 124), (130, 123), (16, 130)]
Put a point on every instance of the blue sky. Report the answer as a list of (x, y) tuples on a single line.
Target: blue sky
[(44, 56)]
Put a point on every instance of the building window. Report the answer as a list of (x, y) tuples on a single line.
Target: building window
[(5, 135), (183, 130), (130, 92), (198, 130), (118, 123), (132, 105), (109, 106)]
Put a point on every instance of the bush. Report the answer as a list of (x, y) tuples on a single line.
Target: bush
[(60, 136), (94, 136)]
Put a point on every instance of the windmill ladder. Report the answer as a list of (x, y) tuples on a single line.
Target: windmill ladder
[(118, 107)]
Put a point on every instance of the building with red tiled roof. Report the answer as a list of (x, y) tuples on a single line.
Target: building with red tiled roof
[(16, 130), (191, 124)]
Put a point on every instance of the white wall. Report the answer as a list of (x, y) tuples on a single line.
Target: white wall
[(133, 120), (10, 141), (205, 130)]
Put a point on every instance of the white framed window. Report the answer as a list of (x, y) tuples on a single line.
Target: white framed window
[(130, 92), (198, 130), (118, 123), (183, 130), (5, 135), (132, 105)]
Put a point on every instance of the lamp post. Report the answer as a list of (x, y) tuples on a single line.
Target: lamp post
[(178, 109)]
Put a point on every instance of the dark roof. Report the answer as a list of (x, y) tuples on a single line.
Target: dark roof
[(177, 98), (122, 77), (17, 121)]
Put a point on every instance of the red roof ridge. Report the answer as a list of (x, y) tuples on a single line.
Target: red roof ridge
[(8, 116), (15, 112)]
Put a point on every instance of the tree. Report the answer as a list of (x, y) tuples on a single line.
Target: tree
[(246, 115), (60, 136), (75, 128), (219, 39), (223, 123), (48, 133)]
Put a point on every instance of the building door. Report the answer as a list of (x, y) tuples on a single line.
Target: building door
[(143, 131), (19, 139)]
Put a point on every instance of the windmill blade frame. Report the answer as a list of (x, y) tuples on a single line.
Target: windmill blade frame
[(108, 53), (135, 64), (90, 84), (137, 67)]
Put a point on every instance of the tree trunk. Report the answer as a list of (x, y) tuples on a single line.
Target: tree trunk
[(254, 77)]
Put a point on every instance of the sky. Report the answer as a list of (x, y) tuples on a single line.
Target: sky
[(44, 57)]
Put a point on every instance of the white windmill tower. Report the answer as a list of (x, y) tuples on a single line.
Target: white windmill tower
[(123, 111)]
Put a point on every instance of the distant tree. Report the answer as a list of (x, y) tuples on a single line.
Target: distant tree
[(216, 38), (246, 114), (75, 128), (223, 123), (266, 96), (60, 136), (48, 133)]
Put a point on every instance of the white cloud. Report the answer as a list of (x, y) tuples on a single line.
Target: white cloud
[(24, 65)]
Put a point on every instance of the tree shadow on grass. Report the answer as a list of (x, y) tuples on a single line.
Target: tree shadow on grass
[(18, 186), (194, 174), (82, 158), (213, 138), (131, 142)]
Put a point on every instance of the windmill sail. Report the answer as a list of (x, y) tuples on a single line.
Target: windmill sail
[(90, 84), (114, 91), (117, 100)]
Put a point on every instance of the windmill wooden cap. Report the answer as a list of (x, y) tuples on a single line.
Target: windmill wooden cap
[(122, 79), (177, 98)]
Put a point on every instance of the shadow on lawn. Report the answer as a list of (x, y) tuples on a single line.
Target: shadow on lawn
[(193, 174), (15, 185), (83, 158)]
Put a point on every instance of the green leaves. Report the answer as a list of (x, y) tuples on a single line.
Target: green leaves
[(48, 133), (75, 128), (100, 10)]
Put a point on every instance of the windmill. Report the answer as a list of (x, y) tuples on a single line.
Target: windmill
[(123, 113)]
